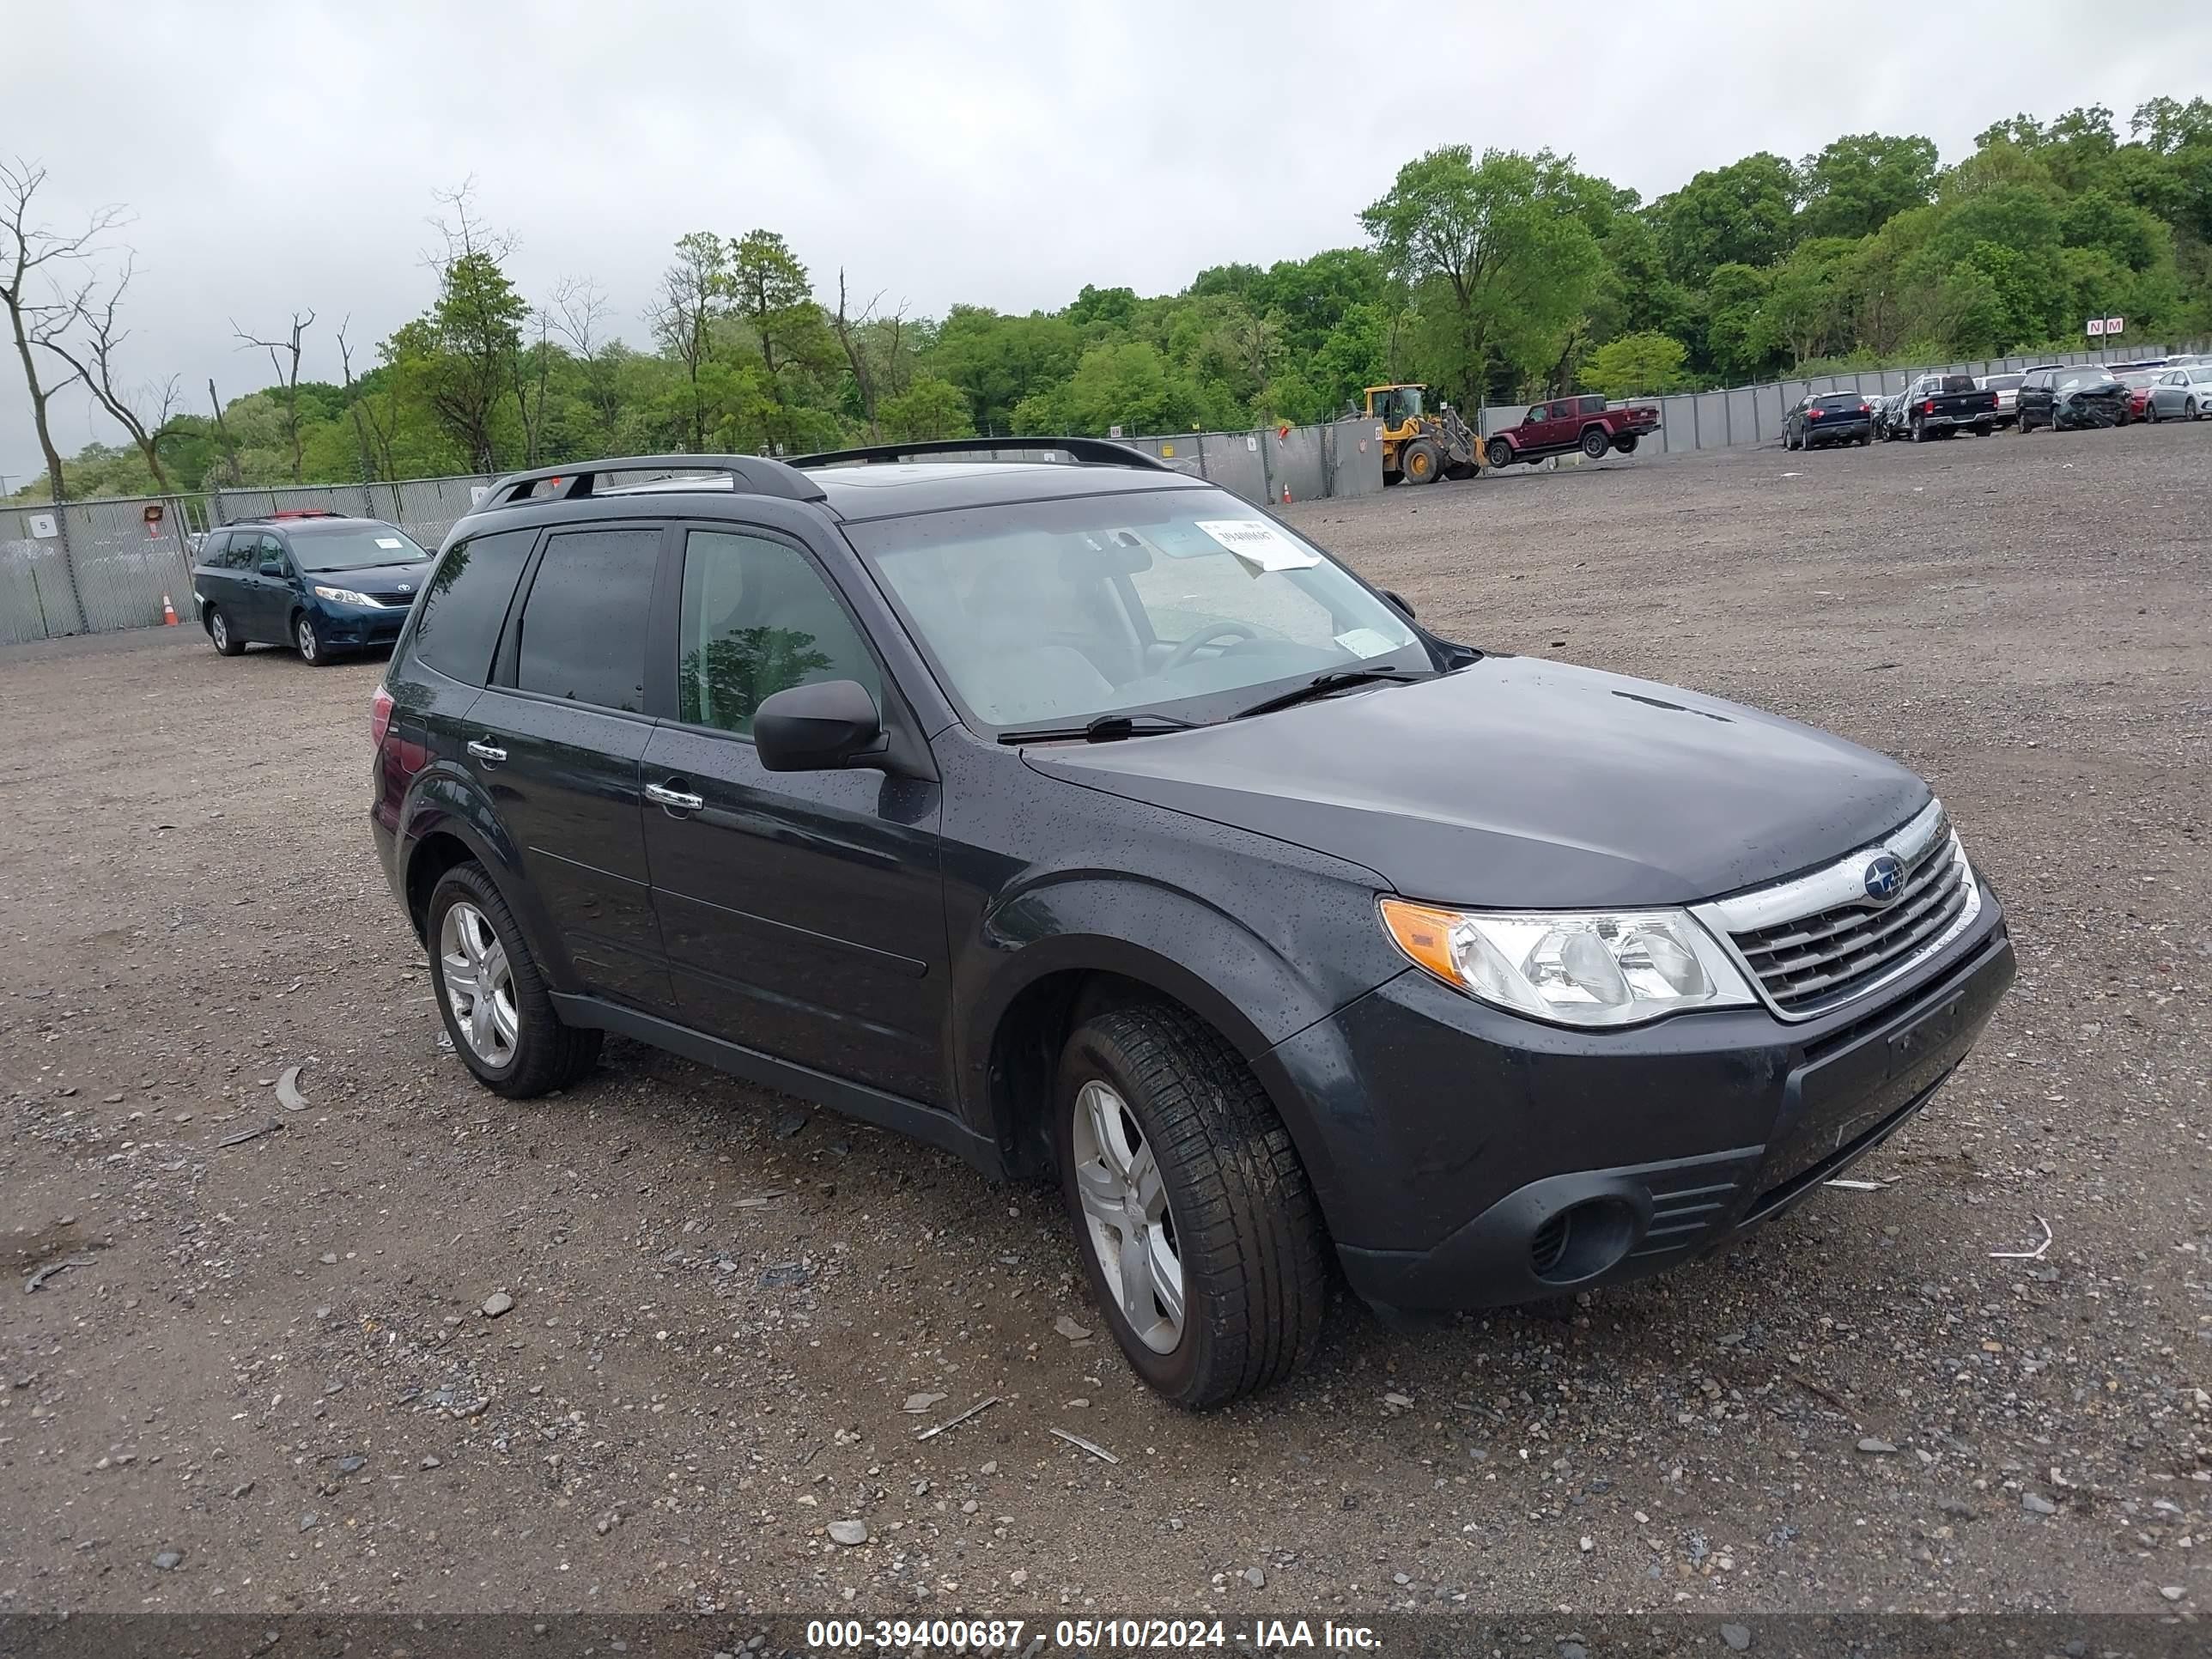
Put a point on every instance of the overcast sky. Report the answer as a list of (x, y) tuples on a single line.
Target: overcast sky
[(284, 155)]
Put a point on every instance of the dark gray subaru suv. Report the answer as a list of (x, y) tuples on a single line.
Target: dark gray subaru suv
[(1079, 818)]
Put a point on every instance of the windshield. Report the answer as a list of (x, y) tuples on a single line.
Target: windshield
[(1841, 400), (1183, 601), (354, 550)]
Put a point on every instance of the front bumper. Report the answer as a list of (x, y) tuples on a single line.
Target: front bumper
[(1478, 1160), (352, 626)]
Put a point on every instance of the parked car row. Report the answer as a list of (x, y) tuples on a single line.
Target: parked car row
[(2059, 397)]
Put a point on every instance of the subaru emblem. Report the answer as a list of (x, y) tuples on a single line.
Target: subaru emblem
[(1885, 877)]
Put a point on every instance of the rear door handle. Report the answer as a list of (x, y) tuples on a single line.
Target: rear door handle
[(486, 752), (674, 799)]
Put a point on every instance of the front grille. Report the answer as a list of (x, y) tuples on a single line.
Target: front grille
[(1816, 961)]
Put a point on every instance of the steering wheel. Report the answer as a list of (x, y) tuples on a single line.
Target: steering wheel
[(1206, 635)]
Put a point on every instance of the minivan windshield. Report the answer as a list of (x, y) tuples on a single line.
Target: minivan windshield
[(354, 550), (1181, 602)]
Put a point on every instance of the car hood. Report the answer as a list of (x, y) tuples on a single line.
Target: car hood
[(382, 581), (1523, 782)]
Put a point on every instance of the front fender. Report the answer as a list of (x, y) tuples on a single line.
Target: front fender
[(444, 800), (1240, 982)]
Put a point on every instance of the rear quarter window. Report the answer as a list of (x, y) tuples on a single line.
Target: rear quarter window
[(457, 623)]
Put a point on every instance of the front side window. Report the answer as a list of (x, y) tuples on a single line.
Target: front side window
[(1183, 601), (267, 547), (583, 626), (758, 619)]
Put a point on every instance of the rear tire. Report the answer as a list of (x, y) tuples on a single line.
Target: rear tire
[(222, 636), (1183, 1187), (1983, 430), (518, 1047), (1625, 444), (1595, 443)]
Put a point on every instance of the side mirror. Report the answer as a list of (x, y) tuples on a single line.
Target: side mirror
[(273, 567), (821, 727), (1398, 599)]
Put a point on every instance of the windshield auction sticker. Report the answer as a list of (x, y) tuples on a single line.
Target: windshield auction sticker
[(1259, 543)]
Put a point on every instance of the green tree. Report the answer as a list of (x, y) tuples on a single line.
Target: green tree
[(1497, 254), (1806, 311), (930, 408), (1861, 181), (1740, 214), (1648, 363)]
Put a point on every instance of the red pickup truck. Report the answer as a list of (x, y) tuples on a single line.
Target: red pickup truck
[(1570, 423)]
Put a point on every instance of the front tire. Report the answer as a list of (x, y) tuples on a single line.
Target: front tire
[(2189, 409), (308, 642), (492, 996), (1421, 462), (222, 636), (1192, 1215), (1500, 452)]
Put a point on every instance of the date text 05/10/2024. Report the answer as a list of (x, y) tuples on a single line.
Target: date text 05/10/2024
[(1089, 1635)]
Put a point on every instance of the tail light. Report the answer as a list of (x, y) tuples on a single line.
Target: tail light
[(1928, 408), (1866, 409), (379, 717), (1812, 414)]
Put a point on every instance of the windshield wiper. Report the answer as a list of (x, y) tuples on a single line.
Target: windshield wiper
[(1107, 728), (1334, 680)]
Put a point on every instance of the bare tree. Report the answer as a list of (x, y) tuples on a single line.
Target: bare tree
[(856, 355), (477, 322), (580, 310), (682, 313), (27, 247), (364, 419), (93, 363), (530, 388), (284, 358), (223, 437)]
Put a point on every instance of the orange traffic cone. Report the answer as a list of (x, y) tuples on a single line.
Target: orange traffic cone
[(1286, 494), (168, 613)]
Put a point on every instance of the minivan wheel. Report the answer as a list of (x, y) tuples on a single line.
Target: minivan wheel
[(226, 643), (1192, 1215), (492, 995), (309, 641)]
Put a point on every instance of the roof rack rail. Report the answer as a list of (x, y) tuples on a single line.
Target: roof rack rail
[(755, 475), (1083, 452), (286, 515)]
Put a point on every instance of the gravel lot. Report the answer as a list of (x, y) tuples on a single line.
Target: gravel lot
[(266, 1381)]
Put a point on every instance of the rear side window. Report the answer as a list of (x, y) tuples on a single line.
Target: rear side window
[(456, 627), (211, 549), (583, 625)]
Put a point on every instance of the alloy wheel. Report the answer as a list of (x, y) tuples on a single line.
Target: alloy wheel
[(479, 983), (308, 645), (1125, 1217), (219, 631)]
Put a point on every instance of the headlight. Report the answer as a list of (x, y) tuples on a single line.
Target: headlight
[(342, 595), (1577, 967)]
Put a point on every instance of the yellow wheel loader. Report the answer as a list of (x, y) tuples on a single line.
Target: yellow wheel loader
[(1418, 447)]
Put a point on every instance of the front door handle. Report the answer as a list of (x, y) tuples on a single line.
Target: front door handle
[(486, 752), (674, 799)]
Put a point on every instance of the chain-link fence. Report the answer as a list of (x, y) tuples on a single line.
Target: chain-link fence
[(90, 567), (94, 567)]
